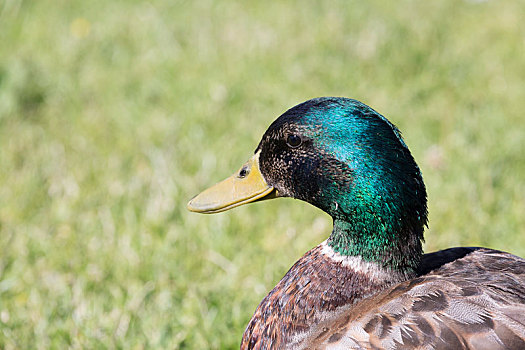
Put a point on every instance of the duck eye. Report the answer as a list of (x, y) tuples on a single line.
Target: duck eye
[(293, 141)]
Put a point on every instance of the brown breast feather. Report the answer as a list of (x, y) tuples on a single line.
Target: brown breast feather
[(465, 298), (314, 288)]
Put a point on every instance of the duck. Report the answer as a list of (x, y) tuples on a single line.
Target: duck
[(368, 285)]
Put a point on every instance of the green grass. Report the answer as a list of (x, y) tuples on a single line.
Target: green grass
[(114, 113)]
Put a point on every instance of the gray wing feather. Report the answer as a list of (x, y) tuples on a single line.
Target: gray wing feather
[(475, 302)]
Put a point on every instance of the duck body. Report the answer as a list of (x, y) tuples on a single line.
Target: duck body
[(369, 285), (463, 298)]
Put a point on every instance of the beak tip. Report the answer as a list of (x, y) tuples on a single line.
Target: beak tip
[(197, 205), (191, 206)]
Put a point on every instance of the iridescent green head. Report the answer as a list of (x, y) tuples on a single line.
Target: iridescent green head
[(348, 160), (345, 158)]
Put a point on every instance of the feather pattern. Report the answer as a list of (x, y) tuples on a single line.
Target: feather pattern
[(316, 287), (467, 298), (475, 302)]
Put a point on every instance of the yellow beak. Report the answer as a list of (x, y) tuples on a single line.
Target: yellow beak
[(245, 186)]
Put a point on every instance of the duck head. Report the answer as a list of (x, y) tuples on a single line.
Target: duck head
[(346, 159)]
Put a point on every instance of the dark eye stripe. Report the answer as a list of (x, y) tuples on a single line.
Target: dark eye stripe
[(293, 141)]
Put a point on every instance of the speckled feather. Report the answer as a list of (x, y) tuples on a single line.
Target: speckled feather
[(474, 302), (313, 289), (463, 298)]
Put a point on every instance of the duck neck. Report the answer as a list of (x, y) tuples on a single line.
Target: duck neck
[(398, 252)]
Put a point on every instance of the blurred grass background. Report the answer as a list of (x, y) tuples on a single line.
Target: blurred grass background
[(114, 113)]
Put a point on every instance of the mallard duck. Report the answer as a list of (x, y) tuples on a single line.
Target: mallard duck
[(369, 285)]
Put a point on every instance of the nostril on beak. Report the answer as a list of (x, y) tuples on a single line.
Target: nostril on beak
[(244, 172)]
